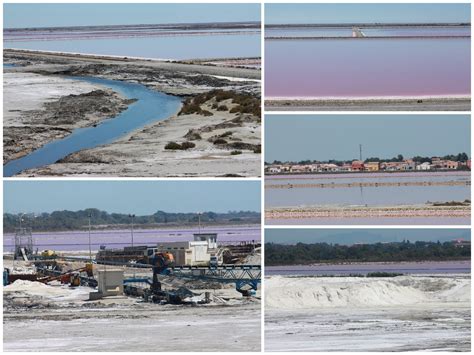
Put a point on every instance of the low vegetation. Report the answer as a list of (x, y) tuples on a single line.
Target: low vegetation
[(301, 254), (244, 103), (178, 146), (79, 220)]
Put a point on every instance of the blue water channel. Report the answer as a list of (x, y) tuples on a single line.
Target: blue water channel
[(150, 106)]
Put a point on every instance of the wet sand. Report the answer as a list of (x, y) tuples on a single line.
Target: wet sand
[(141, 153), (35, 107)]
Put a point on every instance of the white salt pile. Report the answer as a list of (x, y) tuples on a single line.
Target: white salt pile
[(323, 292), (37, 289)]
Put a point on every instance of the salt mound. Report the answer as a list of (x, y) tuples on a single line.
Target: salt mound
[(38, 289), (252, 259), (324, 292), (35, 288)]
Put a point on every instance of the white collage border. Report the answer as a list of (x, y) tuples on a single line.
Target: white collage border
[(261, 179)]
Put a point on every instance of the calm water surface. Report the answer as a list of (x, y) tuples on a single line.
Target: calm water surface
[(344, 31), (78, 240), (370, 196), (174, 47), (429, 267), (151, 106), (367, 68)]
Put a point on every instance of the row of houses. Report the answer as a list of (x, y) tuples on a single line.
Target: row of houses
[(371, 166)]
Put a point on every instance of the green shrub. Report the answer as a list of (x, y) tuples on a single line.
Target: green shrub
[(189, 109), (177, 146), (206, 113), (220, 141), (173, 146), (235, 152), (187, 145), (225, 134), (383, 274)]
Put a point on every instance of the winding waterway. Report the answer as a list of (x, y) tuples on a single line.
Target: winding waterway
[(150, 106)]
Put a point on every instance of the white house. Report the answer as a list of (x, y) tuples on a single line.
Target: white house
[(424, 166)]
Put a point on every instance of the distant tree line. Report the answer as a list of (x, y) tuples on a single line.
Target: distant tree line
[(398, 158), (76, 220), (301, 254)]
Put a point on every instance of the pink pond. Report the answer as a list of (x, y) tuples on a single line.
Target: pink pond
[(360, 68), (78, 240)]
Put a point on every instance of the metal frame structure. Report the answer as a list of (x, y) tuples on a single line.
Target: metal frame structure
[(23, 240)]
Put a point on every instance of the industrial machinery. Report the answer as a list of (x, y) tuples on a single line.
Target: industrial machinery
[(48, 254), (23, 244), (73, 277), (160, 262)]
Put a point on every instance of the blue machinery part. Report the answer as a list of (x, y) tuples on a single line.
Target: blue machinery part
[(244, 276), (6, 272)]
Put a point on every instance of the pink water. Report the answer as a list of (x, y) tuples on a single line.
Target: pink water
[(367, 68), (79, 240)]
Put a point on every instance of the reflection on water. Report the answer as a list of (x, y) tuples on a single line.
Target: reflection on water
[(366, 196)]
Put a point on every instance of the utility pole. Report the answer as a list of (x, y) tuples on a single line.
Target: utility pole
[(90, 248), (360, 152), (132, 216), (199, 222)]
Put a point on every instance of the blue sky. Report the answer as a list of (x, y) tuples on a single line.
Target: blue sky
[(139, 197), (366, 13), (351, 236), (324, 137), (50, 15)]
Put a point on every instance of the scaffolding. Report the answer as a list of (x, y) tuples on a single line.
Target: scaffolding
[(23, 243)]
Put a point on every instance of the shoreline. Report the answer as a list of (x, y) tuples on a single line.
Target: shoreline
[(132, 154), (364, 174), (138, 228), (368, 184), (412, 103), (322, 38), (417, 211), (164, 64), (36, 123), (144, 147)]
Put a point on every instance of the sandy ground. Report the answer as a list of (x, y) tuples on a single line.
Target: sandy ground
[(302, 215), (31, 104), (40, 317), (441, 104), (169, 77), (140, 327), (142, 153), (406, 313)]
